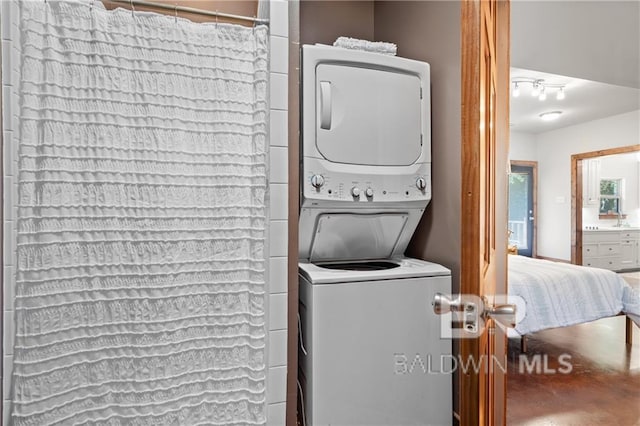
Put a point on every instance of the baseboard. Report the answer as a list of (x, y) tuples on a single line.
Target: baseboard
[(624, 271)]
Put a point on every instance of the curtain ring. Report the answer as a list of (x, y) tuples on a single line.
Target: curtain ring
[(176, 10), (216, 18), (91, 6), (133, 8)]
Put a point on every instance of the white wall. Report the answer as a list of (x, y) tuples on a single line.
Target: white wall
[(522, 146), (278, 182), (554, 150)]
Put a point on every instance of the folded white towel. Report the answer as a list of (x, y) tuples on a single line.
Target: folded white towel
[(366, 45)]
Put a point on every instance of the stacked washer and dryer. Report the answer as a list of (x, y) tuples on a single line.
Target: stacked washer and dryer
[(370, 349)]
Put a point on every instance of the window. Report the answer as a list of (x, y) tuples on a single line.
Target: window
[(611, 196)]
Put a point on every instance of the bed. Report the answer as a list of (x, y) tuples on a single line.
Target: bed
[(558, 294)]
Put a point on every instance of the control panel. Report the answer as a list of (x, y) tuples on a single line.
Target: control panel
[(322, 185)]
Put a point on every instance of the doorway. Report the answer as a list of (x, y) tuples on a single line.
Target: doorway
[(522, 207), (577, 194)]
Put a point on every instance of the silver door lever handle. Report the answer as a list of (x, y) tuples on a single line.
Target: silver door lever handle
[(504, 314)]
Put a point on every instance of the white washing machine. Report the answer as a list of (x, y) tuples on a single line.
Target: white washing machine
[(370, 349)]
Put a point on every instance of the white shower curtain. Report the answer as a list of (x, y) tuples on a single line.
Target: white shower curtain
[(141, 219)]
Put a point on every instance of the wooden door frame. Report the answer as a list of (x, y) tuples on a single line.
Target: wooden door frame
[(534, 166), (478, 392), (470, 275), (576, 194)]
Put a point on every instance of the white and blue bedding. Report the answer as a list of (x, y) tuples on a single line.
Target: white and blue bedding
[(560, 294)]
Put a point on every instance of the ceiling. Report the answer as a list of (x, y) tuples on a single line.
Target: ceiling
[(584, 101), (593, 40), (596, 55)]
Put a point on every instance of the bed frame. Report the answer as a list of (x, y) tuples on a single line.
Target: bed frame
[(628, 335)]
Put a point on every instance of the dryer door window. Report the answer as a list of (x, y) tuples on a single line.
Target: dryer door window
[(367, 116)]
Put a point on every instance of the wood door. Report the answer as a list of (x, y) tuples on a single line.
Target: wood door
[(485, 130)]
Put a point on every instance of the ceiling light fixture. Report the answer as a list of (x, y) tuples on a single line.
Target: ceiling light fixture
[(550, 115), (539, 89)]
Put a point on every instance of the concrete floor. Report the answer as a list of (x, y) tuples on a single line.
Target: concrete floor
[(603, 387)]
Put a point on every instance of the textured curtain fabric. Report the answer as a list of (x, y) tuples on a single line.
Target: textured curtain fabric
[(141, 219)]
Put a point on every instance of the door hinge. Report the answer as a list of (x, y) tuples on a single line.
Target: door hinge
[(421, 93), (420, 139)]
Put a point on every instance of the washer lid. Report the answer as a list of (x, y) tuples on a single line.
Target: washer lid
[(352, 236), (407, 268)]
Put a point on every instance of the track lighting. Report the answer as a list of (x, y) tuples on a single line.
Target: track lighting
[(516, 90), (536, 89), (543, 94), (540, 88)]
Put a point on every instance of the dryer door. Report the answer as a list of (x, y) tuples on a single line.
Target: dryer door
[(368, 116)]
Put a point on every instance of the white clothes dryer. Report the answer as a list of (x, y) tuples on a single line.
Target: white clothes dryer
[(370, 348), (365, 176)]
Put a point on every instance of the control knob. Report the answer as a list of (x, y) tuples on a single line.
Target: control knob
[(368, 192), (355, 191), (421, 183), (317, 181)]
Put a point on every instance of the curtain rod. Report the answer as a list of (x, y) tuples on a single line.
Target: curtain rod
[(186, 9)]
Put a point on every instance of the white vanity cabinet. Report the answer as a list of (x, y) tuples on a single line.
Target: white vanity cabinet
[(629, 249), (601, 249), (615, 250)]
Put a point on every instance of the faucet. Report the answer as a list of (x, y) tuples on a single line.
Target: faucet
[(619, 224)]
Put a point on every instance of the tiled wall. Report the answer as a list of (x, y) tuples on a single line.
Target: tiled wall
[(10, 67), (278, 239), (277, 305)]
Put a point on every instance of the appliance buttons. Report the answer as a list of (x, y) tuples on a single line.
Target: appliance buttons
[(355, 191), (317, 181), (368, 192), (421, 183)]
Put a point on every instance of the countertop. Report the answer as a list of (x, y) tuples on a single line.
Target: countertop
[(612, 228)]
